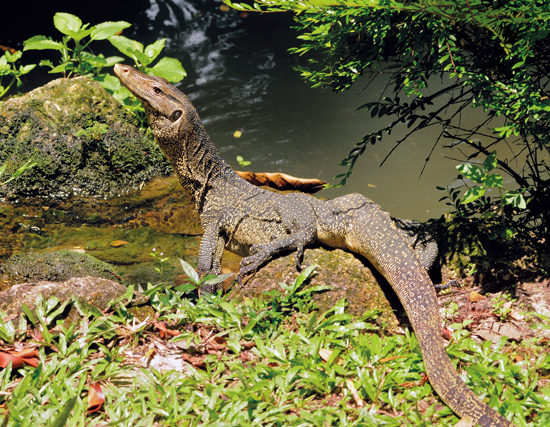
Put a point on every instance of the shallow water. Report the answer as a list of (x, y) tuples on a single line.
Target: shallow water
[(157, 219)]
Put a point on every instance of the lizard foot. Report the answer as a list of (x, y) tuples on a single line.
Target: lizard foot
[(253, 262), (442, 287)]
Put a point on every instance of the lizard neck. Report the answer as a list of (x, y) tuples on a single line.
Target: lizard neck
[(197, 162)]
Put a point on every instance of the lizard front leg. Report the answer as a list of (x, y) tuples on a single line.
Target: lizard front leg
[(260, 254), (210, 253)]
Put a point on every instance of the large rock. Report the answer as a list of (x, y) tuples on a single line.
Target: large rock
[(56, 266), (93, 291), (83, 140), (347, 275)]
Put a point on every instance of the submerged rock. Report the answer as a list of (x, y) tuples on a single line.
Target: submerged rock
[(83, 140), (346, 274)]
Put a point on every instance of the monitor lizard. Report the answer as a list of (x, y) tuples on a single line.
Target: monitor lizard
[(258, 224)]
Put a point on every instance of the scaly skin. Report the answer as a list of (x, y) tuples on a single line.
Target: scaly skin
[(258, 224)]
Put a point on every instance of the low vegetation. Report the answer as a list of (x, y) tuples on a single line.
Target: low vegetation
[(272, 362)]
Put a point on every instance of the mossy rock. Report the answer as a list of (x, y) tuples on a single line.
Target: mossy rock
[(83, 140), (348, 277), (54, 267)]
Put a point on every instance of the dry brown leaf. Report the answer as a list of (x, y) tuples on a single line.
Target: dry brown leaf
[(247, 344), (474, 296), (387, 359), (217, 343), (164, 331), (36, 335), (446, 334), (517, 358), (422, 405), (198, 361), (283, 182), (96, 397), (325, 355), (19, 359), (8, 49)]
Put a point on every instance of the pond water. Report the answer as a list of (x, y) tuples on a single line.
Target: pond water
[(241, 77)]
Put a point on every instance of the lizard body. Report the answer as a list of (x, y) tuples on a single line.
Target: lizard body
[(258, 224)]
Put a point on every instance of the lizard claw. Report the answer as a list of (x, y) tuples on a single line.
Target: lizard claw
[(443, 287), (252, 263)]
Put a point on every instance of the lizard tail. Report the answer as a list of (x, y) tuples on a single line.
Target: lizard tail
[(391, 255)]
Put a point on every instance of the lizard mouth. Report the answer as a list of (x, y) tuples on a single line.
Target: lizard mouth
[(121, 71), (128, 76)]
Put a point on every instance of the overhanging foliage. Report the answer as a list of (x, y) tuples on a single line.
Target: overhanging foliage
[(489, 54)]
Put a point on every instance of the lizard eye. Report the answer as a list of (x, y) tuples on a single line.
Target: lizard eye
[(175, 115), (157, 90)]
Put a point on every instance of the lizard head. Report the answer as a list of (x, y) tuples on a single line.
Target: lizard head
[(168, 110)]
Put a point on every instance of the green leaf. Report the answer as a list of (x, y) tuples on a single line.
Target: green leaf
[(490, 162), (96, 61), (493, 180), (110, 82), (472, 194), (168, 68), (61, 68), (130, 48), (67, 23), (515, 198), (188, 287), (41, 43), (302, 277), (13, 57), (25, 69), (70, 25), (63, 416), (153, 50), (218, 279), (473, 172), (190, 271), (29, 314), (112, 60), (107, 29)]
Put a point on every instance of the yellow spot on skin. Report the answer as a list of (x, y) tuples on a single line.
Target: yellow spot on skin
[(237, 134)]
